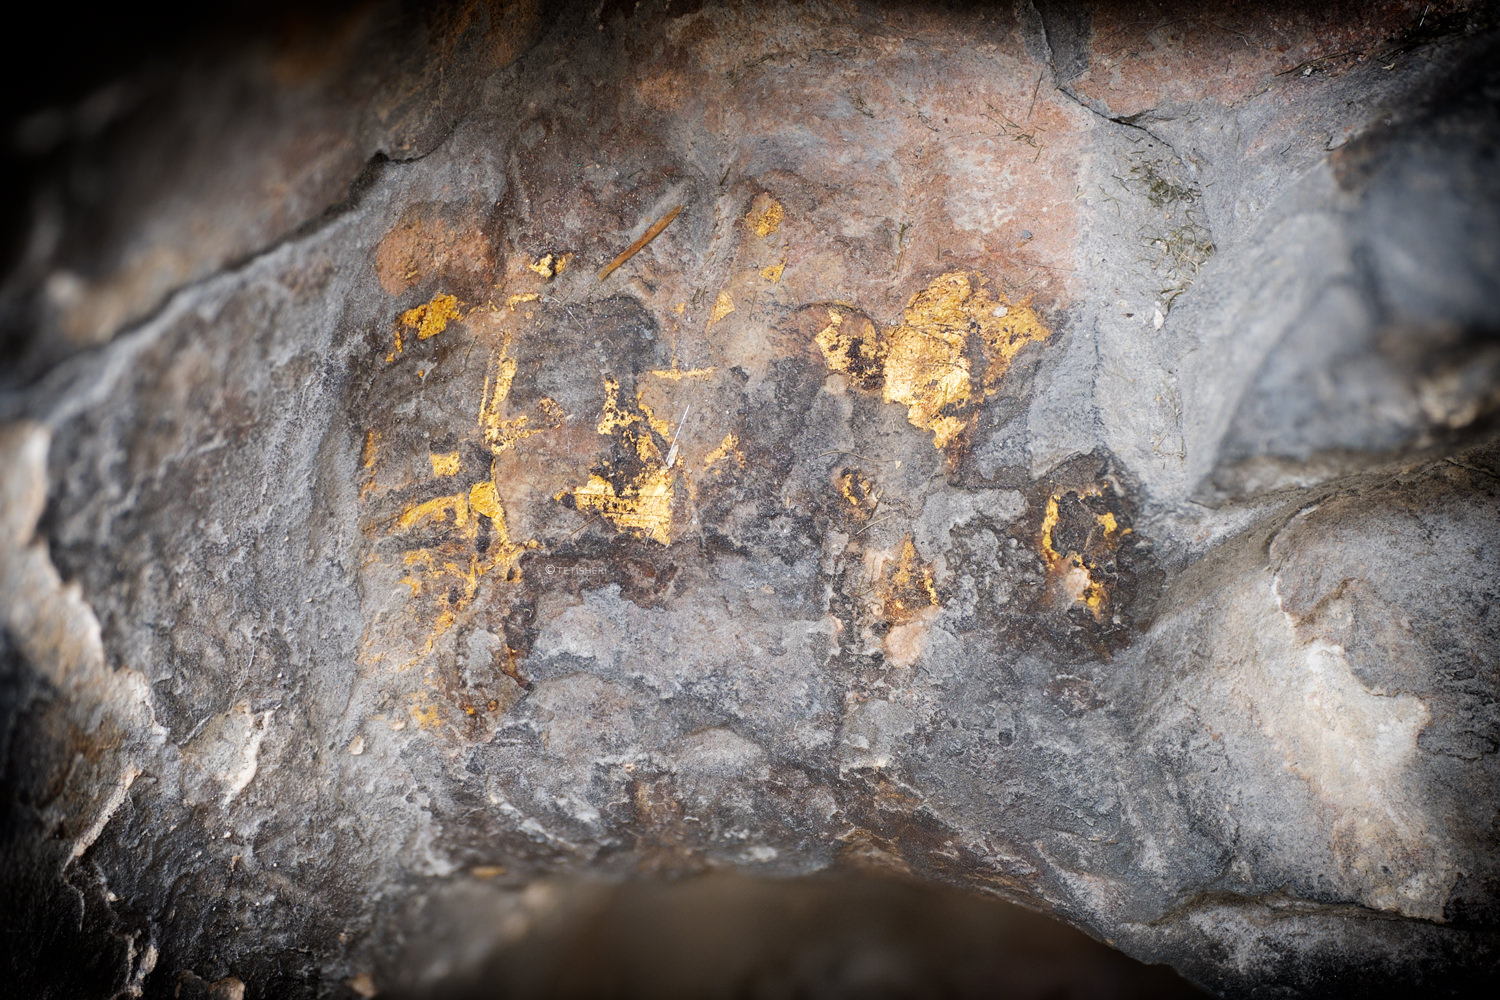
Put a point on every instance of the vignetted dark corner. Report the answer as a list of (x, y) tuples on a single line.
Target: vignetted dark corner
[(694, 499)]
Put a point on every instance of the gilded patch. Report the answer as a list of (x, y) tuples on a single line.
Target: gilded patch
[(723, 306), (1080, 538), (765, 216), (426, 320), (635, 492), (444, 463), (909, 590), (643, 505), (951, 350)]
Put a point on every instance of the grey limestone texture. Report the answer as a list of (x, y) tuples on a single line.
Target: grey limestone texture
[(1050, 453)]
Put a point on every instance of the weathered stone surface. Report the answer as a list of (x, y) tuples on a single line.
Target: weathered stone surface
[(1051, 452)]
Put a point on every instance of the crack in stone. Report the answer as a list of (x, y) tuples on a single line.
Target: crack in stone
[(22, 401)]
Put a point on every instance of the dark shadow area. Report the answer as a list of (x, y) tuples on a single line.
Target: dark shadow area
[(722, 935)]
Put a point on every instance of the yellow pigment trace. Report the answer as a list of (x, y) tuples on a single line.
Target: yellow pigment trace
[(1070, 569), (428, 320), (444, 464), (432, 318), (909, 589), (637, 418), (641, 501), (860, 494), (728, 448), (851, 345), (923, 363), (454, 566), (501, 432), (723, 306), (765, 216), (676, 374), (551, 265), (368, 456), (424, 713), (645, 506)]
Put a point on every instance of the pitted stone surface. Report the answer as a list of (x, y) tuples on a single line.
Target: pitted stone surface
[(1047, 453)]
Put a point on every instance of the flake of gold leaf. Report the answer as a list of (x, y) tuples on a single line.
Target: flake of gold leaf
[(676, 374), (723, 306), (643, 506), (454, 565), (431, 318), (502, 432), (924, 362), (728, 448), (444, 463), (909, 590), (859, 492), (765, 215), (550, 265), (851, 345), (637, 497), (1074, 571)]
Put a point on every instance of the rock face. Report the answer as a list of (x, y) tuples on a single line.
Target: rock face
[(1050, 452)]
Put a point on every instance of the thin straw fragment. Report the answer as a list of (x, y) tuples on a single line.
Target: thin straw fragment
[(639, 245)]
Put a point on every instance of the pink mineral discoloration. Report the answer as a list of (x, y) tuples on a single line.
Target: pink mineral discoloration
[(1171, 54), (1040, 456)]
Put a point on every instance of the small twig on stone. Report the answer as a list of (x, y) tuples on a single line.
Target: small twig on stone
[(639, 245)]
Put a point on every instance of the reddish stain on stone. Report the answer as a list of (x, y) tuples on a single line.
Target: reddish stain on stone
[(424, 245), (1145, 56)]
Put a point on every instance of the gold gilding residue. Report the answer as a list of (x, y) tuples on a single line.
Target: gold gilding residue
[(723, 306), (428, 320), (448, 546), (851, 345), (501, 431), (909, 590), (635, 494), (927, 364), (859, 493), (635, 423), (1076, 541), (676, 374), (728, 448), (765, 215), (772, 273), (484, 500), (924, 363), (551, 265), (437, 509), (474, 541), (431, 318), (645, 506), (368, 457), (423, 712)]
